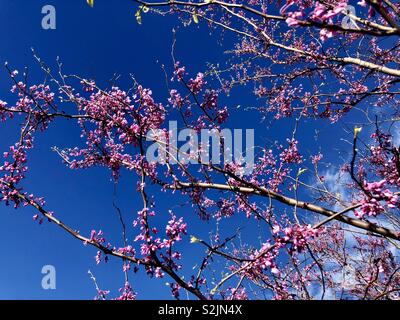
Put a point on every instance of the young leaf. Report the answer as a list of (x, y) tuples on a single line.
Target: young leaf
[(193, 239), (301, 171), (357, 130), (195, 18), (138, 16)]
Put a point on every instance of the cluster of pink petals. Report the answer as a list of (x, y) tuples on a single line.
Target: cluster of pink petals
[(149, 244), (97, 237), (321, 13), (127, 293), (211, 113), (294, 18), (297, 236), (372, 204), (291, 154), (197, 84), (237, 294)]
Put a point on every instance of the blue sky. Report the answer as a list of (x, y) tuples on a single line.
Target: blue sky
[(96, 43)]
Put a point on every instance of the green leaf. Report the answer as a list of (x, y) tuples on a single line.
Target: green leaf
[(193, 239), (138, 16), (195, 17), (357, 130), (301, 171)]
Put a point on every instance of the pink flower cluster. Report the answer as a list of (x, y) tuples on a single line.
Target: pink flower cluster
[(97, 236), (3, 113), (237, 294), (294, 18), (384, 158), (127, 293), (291, 154), (14, 169), (174, 231), (33, 104), (150, 244), (322, 13), (116, 122), (372, 205), (200, 106), (179, 72), (197, 84), (297, 236), (265, 258)]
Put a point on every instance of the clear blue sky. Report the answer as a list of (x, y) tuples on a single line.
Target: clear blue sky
[(95, 43)]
